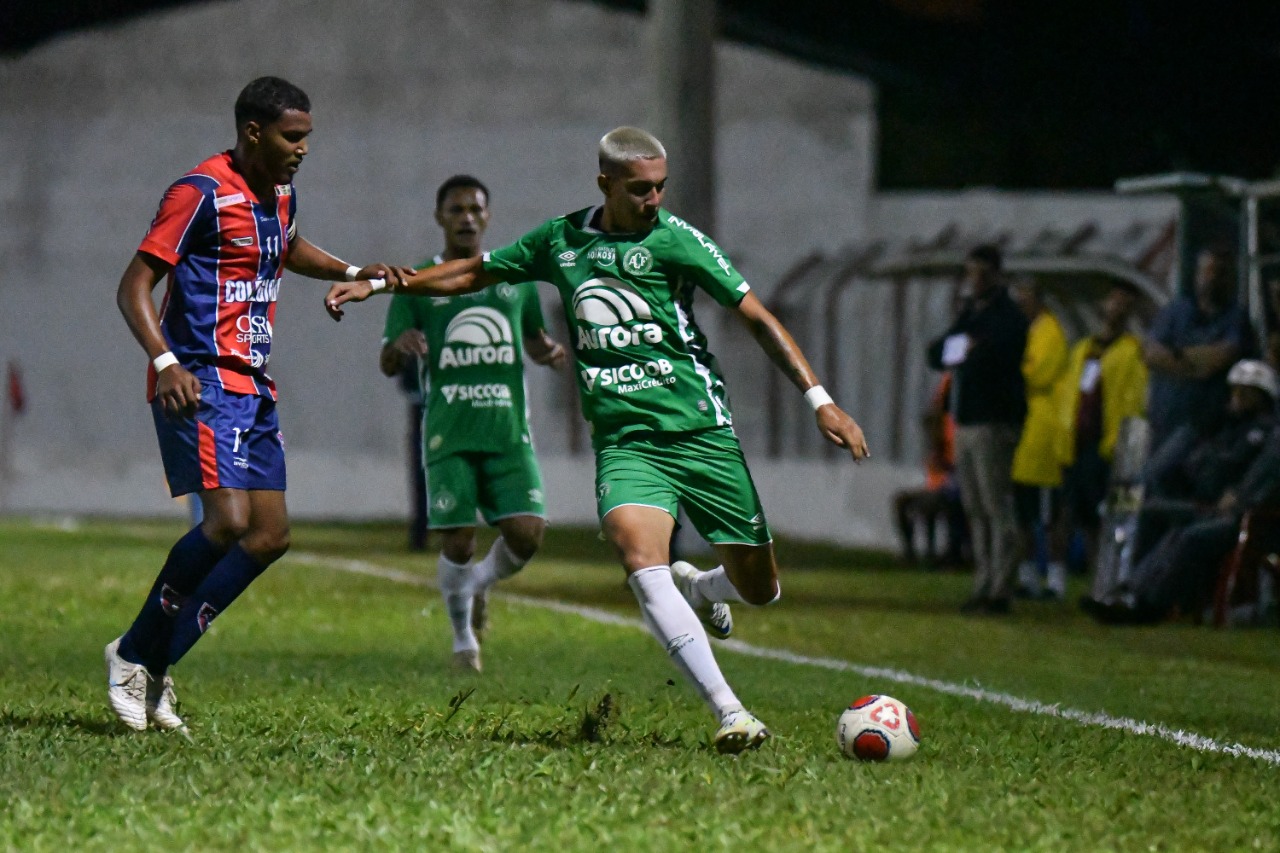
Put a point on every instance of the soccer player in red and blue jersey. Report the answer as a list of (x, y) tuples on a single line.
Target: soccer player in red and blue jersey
[(222, 239)]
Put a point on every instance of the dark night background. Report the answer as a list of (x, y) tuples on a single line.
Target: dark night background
[(1006, 93)]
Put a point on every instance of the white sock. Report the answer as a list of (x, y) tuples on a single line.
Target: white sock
[(715, 586), (457, 588), (498, 565), (673, 623), (1028, 576)]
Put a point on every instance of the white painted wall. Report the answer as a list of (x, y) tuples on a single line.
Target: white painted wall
[(96, 124)]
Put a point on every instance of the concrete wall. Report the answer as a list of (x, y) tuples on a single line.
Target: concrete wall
[(405, 93)]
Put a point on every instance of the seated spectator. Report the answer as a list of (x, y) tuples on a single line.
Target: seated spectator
[(1106, 382), (940, 497), (1037, 470), (1190, 347), (1199, 486)]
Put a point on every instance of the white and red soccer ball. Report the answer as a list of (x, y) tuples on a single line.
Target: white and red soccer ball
[(878, 728)]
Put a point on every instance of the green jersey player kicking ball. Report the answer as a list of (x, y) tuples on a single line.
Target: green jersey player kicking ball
[(627, 271), (476, 445)]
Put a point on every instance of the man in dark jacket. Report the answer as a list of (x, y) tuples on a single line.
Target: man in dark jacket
[(1211, 486), (983, 349)]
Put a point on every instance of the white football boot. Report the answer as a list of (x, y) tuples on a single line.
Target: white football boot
[(126, 687), (714, 615), (467, 660), (161, 703), (739, 731)]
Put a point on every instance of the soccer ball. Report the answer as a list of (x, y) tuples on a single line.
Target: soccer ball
[(878, 728)]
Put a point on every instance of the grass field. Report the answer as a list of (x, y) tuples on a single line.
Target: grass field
[(323, 715)]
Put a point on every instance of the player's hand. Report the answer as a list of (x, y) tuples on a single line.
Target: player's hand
[(411, 343), (842, 431), (343, 292), (178, 391), (549, 352), (395, 276)]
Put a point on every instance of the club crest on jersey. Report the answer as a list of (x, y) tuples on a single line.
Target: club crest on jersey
[(615, 316), (443, 502), (478, 335), (638, 260), (506, 292), (603, 255)]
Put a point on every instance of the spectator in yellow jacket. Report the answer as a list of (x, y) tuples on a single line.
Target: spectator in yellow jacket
[(1106, 382), (1037, 469)]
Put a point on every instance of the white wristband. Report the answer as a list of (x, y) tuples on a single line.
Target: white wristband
[(376, 284), (163, 360), (817, 397), (353, 273)]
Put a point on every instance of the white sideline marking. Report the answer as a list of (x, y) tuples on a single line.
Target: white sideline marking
[(1190, 740)]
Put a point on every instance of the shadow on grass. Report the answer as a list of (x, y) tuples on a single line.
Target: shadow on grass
[(65, 722)]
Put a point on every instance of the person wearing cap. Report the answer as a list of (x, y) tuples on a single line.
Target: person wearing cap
[(1199, 491)]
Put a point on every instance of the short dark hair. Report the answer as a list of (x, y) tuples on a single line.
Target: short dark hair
[(267, 98), (987, 253), (461, 182)]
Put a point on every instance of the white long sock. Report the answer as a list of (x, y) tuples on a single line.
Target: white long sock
[(457, 588), (676, 627), (716, 586), (499, 564)]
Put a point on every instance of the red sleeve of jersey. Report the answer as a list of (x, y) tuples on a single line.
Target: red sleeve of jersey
[(174, 223)]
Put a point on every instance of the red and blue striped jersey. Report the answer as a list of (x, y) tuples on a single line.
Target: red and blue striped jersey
[(227, 248)]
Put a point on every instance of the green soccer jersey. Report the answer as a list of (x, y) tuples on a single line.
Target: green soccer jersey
[(473, 373), (642, 361)]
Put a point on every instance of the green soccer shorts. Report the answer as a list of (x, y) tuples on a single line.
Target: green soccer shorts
[(703, 471), (497, 485)]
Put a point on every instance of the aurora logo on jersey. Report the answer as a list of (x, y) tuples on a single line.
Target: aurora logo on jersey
[(479, 335), (704, 241), (617, 312), (630, 377)]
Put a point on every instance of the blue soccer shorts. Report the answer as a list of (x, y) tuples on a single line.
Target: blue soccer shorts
[(233, 442)]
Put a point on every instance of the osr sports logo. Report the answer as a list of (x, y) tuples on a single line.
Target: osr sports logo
[(620, 316), (478, 335)]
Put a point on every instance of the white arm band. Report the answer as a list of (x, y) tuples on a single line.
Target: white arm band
[(353, 273), (817, 397), (376, 284), (163, 360)]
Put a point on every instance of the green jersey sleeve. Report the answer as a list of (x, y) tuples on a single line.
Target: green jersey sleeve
[(708, 266), (531, 320), (401, 317), (523, 260)]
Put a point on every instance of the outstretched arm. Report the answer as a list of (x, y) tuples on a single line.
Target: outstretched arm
[(177, 389), (836, 426), (452, 278), (307, 259)]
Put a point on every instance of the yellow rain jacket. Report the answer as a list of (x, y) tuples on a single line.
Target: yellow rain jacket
[(1036, 462), (1124, 392)]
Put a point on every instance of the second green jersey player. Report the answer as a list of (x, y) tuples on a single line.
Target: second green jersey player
[(661, 425), (477, 449)]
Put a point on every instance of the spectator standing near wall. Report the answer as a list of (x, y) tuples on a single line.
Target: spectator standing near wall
[(1037, 469), (983, 349), (940, 497), (1191, 346), (1105, 383)]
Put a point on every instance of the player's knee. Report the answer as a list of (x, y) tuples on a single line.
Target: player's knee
[(267, 546), (760, 594), (226, 529), (458, 547), (525, 540)]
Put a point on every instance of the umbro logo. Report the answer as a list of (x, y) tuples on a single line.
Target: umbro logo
[(568, 259)]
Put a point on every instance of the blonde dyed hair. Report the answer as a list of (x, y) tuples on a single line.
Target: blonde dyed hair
[(627, 144)]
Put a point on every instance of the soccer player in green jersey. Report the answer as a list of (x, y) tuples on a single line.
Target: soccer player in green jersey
[(653, 394), (476, 445)]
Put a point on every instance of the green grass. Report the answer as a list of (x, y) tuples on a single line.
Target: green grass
[(323, 716)]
